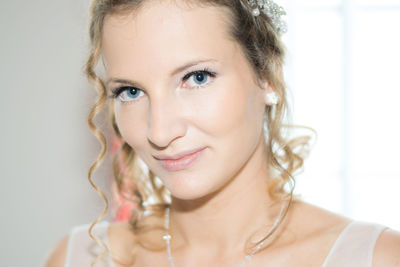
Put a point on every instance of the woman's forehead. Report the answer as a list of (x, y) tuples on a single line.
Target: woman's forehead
[(163, 21), (163, 33)]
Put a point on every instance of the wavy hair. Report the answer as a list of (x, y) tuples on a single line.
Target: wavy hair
[(265, 52)]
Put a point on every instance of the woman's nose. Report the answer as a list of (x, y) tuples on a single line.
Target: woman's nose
[(165, 123)]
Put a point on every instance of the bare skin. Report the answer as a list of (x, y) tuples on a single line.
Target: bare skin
[(303, 240), (222, 199), (304, 244)]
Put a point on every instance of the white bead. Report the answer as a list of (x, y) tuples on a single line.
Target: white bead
[(256, 12), (272, 98)]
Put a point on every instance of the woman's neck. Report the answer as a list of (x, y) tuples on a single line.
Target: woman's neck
[(224, 220)]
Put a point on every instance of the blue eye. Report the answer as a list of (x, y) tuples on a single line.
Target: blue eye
[(198, 79), (127, 93)]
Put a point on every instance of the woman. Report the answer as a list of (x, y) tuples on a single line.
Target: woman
[(197, 94)]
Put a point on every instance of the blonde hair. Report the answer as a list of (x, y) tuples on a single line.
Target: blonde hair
[(263, 49)]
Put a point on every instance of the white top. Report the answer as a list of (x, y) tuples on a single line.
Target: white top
[(353, 247)]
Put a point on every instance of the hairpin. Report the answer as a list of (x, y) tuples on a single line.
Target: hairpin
[(272, 10)]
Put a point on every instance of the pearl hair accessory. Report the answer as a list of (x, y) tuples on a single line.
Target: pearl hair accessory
[(272, 98), (167, 237), (272, 10)]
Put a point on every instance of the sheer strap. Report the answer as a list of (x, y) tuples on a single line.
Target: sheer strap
[(82, 250), (355, 245)]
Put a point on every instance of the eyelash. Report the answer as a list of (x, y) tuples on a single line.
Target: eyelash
[(206, 71), (116, 92)]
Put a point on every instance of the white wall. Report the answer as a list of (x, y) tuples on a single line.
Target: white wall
[(45, 146)]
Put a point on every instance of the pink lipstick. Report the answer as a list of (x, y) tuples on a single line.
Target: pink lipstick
[(181, 163)]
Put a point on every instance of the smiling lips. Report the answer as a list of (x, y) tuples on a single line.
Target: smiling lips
[(180, 161)]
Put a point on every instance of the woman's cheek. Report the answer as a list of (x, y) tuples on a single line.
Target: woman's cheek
[(224, 111), (131, 125), (213, 109)]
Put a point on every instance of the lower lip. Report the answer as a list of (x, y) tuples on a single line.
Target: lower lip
[(182, 163)]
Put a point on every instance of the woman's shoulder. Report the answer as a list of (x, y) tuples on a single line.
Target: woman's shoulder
[(76, 239), (320, 224), (312, 220), (58, 254), (387, 249)]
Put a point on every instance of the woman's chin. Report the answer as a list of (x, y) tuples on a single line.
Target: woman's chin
[(190, 191), (183, 192)]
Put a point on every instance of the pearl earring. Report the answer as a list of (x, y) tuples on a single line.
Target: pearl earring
[(272, 98)]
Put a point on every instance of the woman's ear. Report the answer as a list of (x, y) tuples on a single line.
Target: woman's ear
[(270, 97)]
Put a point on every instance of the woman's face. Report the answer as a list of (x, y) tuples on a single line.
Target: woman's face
[(185, 85)]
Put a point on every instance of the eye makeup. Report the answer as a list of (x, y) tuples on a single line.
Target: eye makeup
[(126, 91)]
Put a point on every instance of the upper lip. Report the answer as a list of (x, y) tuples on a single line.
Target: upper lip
[(179, 155)]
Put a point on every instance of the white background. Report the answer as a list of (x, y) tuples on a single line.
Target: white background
[(342, 70)]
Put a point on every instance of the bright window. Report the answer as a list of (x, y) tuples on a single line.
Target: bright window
[(343, 72)]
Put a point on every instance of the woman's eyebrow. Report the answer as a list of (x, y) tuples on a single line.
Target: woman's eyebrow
[(124, 81), (174, 72), (190, 64)]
